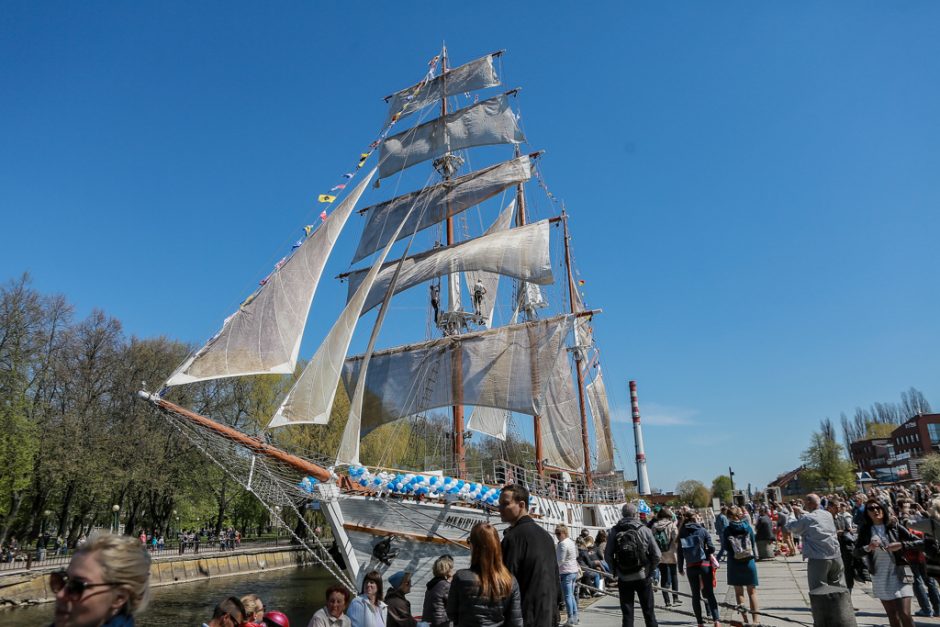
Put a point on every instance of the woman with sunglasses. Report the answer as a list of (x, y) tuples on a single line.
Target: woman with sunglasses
[(106, 584), (882, 542)]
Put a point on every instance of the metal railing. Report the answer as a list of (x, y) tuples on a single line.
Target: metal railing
[(575, 490), (29, 558)]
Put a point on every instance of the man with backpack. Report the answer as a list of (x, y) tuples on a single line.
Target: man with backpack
[(633, 556)]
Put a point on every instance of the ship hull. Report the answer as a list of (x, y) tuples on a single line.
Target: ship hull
[(422, 531)]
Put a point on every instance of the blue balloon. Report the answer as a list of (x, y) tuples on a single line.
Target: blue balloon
[(461, 483), (363, 482), (432, 480)]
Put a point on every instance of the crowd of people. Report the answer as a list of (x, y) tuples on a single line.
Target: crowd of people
[(521, 580)]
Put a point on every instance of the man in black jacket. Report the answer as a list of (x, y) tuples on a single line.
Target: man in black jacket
[(529, 554), (634, 557)]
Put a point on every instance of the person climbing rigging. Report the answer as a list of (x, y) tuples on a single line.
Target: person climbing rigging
[(478, 291), (436, 301)]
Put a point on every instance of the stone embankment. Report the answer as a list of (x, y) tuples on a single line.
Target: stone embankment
[(23, 587)]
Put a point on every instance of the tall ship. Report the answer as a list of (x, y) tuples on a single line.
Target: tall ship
[(508, 345)]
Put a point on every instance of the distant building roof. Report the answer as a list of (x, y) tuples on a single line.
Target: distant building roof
[(786, 477)]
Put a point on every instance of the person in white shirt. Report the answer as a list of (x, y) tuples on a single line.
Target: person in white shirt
[(368, 609), (333, 614), (566, 554)]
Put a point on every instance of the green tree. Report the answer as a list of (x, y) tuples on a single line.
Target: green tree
[(693, 492), (826, 467), (930, 468), (721, 488), (879, 429)]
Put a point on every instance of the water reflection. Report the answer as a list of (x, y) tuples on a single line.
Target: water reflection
[(298, 592)]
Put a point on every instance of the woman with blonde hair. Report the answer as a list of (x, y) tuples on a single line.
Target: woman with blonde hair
[(738, 541), (106, 583), (566, 554), (486, 593), (254, 609), (435, 599)]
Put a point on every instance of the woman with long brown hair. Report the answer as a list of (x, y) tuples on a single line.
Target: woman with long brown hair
[(486, 593), (882, 543)]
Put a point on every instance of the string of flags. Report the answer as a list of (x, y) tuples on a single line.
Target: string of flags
[(330, 197)]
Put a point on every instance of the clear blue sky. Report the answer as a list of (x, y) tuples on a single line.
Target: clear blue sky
[(753, 186)]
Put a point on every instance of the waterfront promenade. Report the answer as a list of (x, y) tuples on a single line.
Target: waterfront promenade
[(782, 591)]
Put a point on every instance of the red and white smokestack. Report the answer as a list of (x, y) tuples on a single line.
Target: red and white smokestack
[(642, 479)]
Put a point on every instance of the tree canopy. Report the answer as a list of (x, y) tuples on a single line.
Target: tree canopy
[(826, 467), (721, 488)]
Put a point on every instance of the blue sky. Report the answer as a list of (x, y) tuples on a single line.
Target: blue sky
[(752, 186)]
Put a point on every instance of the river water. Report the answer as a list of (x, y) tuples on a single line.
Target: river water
[(298, 592)]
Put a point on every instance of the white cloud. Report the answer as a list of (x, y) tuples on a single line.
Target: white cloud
[(656, 415)]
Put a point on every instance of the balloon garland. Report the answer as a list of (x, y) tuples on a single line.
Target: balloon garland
[(433, 486)]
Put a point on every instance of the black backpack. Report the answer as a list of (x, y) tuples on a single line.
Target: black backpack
[(629, 550)]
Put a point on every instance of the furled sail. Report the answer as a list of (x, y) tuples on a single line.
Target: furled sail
[(310, 400), (411, 379), (471, 76), (600, 410), (583, 333), (490, 280), (482, 124), (522, 253), (489, 421), (263, 336), (437, 203), (561, 420), (530, 299)]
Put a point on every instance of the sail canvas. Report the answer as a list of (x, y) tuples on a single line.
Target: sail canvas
[(477, 74), (263, 336), (521, 253), (439, 202), (480, 369), (485, 123)]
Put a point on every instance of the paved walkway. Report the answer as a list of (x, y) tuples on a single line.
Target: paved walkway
[(783, 591)]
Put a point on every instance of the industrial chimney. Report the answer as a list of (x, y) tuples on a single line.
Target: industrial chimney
[(642, 479)]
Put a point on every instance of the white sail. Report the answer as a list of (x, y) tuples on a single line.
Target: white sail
[(482, 124), (561, 420), (522, 253), (530, 299), (352, 433), (439, 202), (478, 74), (583, 334), (489, 277), (411, 379), (489, 421), (600, 410), (310, 400), (264, 335)]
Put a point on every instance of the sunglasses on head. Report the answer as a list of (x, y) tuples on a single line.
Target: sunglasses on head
[(74, 588)]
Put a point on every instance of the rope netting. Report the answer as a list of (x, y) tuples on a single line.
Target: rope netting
[(274, 484)]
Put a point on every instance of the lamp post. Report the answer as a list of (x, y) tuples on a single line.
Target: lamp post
[(277, 524), (115, 508)]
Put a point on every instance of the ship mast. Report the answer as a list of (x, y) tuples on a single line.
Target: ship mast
[(577, 356), (536, 419), (449, 164)]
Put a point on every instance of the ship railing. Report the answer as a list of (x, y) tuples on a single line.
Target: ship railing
[(555, 486)]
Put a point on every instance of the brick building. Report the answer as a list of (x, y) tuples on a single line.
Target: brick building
[(897, 457)]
